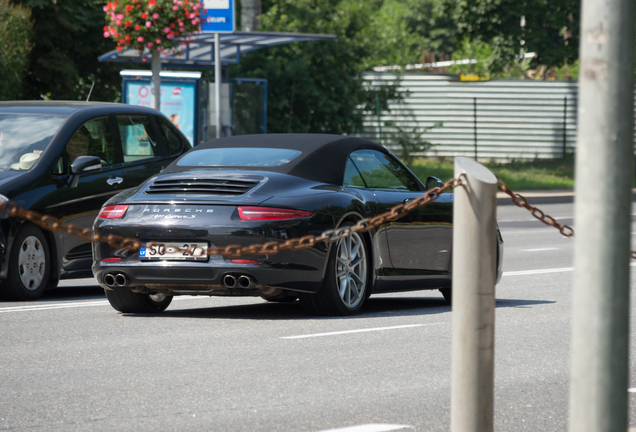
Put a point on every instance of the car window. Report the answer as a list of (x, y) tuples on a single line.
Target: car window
[(137, 138), (239, 156), (380, 171), (352, 176), (93, 138), (171, 138), (23, 138)]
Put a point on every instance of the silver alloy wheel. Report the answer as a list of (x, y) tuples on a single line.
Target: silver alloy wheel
[(31, 263), (157, 297), (351, 270)]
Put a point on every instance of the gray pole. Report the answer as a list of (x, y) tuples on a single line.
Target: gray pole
[(475, 124), (474, 278), (565, 124), (155, 81), (217, 82), (604, 157)]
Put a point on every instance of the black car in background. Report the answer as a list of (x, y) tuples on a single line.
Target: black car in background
[(255, 189), (66, 159)]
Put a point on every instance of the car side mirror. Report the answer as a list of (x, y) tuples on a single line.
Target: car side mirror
[(84, 164), (433, 182)]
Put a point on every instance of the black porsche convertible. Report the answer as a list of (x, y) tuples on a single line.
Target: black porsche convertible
[(259, 188)]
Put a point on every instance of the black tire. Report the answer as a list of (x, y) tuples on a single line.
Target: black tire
[(29, 266), (328, 300), (448, 294), (281, 298), (126, 301)]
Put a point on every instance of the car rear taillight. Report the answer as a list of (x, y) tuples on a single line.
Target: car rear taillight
[(270, 213), (111, 260), (112, 212)]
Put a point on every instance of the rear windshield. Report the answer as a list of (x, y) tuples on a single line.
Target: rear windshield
[(249, 156), (23, 138)]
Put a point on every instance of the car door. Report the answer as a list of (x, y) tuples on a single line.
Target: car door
[(143, 154), (79, 204), (421, 241)]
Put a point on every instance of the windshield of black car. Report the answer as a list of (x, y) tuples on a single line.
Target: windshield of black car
[(23, 138), (239, 156)]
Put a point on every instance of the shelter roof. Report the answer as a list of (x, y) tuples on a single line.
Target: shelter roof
[(199, 53)]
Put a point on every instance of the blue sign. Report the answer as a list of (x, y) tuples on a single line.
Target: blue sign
[(178, 101), (218, 16)]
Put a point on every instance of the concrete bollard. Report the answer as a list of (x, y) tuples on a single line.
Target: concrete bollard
[(473, 298)]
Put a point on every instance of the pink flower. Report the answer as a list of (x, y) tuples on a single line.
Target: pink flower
[(166, 30), (106, 34), (150, 44), (170, 36), (140, 39), (175, 7), (120, 16), (158, 41), (105, 8), (155, 16), (148, 24), (118, 22), (180, 23)]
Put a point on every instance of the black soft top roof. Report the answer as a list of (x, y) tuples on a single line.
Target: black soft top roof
[(323, 157)]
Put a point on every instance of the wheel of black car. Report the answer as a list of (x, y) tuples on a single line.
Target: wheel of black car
[(346, 282), (29, 265), (126, 301), (448, 294), (281, 298)]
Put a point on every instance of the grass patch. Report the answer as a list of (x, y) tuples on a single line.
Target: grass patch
[(518, 174)]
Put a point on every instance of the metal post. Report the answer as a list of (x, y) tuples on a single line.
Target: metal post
[(604, 157), (475, 124), (474, 278), (217, 82), (155, 81), (377, 109), (565, 132)]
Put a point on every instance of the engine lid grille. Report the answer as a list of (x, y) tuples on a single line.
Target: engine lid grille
[(201, 186)]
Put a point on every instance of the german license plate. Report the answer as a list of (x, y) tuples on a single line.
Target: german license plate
[(182, 251)]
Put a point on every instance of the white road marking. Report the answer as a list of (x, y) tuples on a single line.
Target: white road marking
[(543, 271), (377, 427), (358, 331), (539, 250), (70, 305), (54, 306), (631, 390)]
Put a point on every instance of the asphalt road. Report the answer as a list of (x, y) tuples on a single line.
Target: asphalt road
[(70, 362)]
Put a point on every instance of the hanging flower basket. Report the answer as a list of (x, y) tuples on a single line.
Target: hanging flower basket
[(152, 24)]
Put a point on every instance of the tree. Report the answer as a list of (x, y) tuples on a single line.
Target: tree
[(318, 86), (548, 27), (15, 32), (67, 39)]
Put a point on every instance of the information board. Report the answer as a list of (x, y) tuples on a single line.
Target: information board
[(218, 16), (177, 101)]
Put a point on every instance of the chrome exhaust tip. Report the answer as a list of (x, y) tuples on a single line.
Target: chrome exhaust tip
[(229, 281), (109, 280), (121, 280), (245, 281)]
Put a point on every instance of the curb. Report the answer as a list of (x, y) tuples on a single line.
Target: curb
[(544, 197)]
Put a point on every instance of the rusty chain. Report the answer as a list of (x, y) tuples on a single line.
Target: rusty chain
[(52, 223), (521, 201)]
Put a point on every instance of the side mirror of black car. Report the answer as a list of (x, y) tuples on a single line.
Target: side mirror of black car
[(84, 164), (433, 182)]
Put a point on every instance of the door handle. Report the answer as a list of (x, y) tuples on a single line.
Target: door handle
[(112, 180), (407, 200)]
